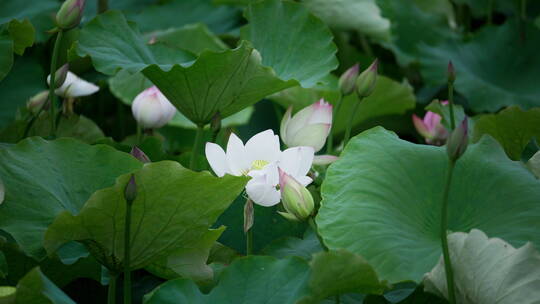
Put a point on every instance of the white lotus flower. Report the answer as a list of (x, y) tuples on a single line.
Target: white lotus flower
[(260, 159), (152, 109), (74, 86)]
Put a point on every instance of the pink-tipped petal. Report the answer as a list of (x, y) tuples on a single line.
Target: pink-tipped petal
[(421, 126)]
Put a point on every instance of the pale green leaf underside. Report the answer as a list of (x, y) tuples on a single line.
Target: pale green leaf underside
[(382, 200), (488, 271)]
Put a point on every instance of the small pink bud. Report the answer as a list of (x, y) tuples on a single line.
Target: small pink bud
[(152, 109), (365, 84), (140, 155), (431, 128), (70, 14), (458, 141), (347, 81), (130, 192), (309, 127), (323, 160), (296, 199), (38, 101)]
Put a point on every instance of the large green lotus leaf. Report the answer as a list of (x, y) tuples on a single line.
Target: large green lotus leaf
[(126, 86), (26, 80), (224, 82), (177, 13), (488, 270), (262, 279), (488, 86), (43, 178), (409, 24), (382, 200), (293, 246), (36, 288), (389, 98), (513, 128), (359, 15), (40, 13), (113, 43), (339, 272), (296, 44), (6, 55), (190, 261), (174, 208)]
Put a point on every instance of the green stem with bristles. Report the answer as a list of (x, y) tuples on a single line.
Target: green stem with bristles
[(444, 237), (451, 104), (52, 95), (351, 122), (330, 140), (196, 147)]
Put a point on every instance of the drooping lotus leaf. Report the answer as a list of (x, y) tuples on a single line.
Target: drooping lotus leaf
[(488, 270), (358, 15), (173, 209), (513, 128), (35, 287), (382, 200), (262, 279), (44, 178), (496, 68), (296, 44)]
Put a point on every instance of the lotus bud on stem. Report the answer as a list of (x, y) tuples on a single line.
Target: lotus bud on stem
[(130, 194), (140, 155)]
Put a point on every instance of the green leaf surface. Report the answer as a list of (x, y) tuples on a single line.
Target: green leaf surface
[(382, 200), (488, 86), (40, 13), (293, 246), (177, 13), (296, 44), (358, 15), (6, 55), (513, 128), (488, 270), (194, 38), (224, 82), (170, 213), (43, 178), (22, 33), (36, 288), (408, 30), (113, 43)]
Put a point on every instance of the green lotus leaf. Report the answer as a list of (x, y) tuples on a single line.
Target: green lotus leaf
[(488, 270), (35, 287), (382, 200), (293, 42), (44, 178), (513, 128), (173, 210)]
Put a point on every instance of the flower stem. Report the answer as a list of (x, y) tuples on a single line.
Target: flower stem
[(330, 141), (451, 104), (103, 6), (351, 121), (249, 242), (315, 229), (111, 296), (249, 219), (196, 147), (138, 140), (490, 12), (127, 254), (444, 239), (52, 95)]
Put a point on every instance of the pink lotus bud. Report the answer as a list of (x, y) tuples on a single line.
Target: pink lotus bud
[(296, 199), (140, 155), (323, 160), (365, 84), (347, 81), (70, 14), (152, 109), (130, 192), (37, 102), (309, 127), (431, 128), (458, 141)]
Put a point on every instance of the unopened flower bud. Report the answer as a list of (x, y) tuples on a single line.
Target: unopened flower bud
[(297, 200), (365, 84), (215, 124), (309, 127), (61, 75), (458, 140), (130, 192), (38, 101), (451, 72), (140, 155), (347, 81), (152, 109), (70, 14)]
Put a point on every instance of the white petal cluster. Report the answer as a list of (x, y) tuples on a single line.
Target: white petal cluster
[(260, 159), (74, 86)]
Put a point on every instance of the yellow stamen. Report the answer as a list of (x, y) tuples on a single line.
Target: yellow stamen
[(258, 164)]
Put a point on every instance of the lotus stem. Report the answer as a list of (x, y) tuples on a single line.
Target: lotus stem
[(111, 295), (127, 254), (351, 121), (451, 104), (330, 141), (52, 95), (444, 238), (196, 147)]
